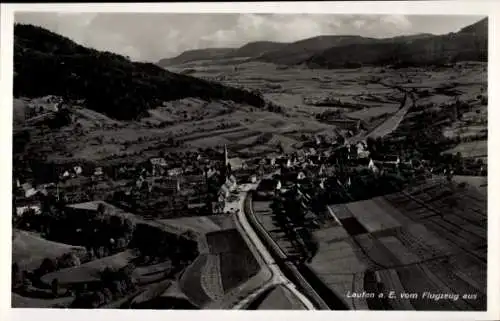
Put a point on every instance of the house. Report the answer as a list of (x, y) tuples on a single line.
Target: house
[(300, 155), (310, 151), (224, 192), (158, 161), (325, 171), (174, 171), (361, 150), (236, 163), (271, 161), (367, 163), (36, 208), (77, 170), (66, 174), (301, 176), (30, 192), (139, 182), (211, 172), (231, 182), (98, 171), (189, 169), (172, 185)]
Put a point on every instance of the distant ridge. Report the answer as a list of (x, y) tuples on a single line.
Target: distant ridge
[(346, 51), (256, 49), (469, 44), (195, 55)]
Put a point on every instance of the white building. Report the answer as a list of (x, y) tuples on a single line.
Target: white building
[(174, 171), (20, 210), (78, 170), (158, 161)]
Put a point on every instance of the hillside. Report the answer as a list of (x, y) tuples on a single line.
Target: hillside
[(256, 49), (470, 44), (109, 83), (298, 51), (194, 55), (479, 28)]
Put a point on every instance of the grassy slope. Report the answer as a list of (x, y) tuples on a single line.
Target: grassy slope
[(29, 249), (89, 271), (280, 298), (18, 301)]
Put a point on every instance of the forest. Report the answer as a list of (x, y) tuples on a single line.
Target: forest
[(46, 63)]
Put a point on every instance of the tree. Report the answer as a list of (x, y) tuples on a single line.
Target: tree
[(108, 295), (26, 284), (47, 266), (68, 260), (121, 243), (55, 287), (100, 252), (340, 140), (101, 209), (17, 277)]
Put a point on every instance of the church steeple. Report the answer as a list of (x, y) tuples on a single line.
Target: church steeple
[(226, 159), (226, 167)]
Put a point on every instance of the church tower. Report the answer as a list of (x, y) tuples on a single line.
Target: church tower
[(226, 167), (226, 159)]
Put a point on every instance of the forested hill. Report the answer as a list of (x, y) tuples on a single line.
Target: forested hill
[(469, 44), (46, 63)]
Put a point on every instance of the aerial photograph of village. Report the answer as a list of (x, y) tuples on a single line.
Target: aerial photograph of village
[(249, 161)]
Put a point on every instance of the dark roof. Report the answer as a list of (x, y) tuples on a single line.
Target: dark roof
[(363, 161), (267, 184)]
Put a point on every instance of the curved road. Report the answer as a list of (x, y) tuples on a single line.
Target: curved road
[(254, 241)]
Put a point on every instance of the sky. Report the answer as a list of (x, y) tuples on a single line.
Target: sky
[(153, 36)]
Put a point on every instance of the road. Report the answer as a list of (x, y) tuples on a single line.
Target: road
[(391, 123), (254, 241)]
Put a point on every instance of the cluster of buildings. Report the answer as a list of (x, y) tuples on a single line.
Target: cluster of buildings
[(189, 180)]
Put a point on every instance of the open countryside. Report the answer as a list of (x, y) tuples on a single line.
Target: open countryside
[(310, 175)]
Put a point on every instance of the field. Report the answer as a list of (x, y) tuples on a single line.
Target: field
[(475, 149), (18, 301), (227, 264), (90, 271), (29, 249), (301, 93), (161, 295), (479, 182), (430, 238), (280, 298)]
